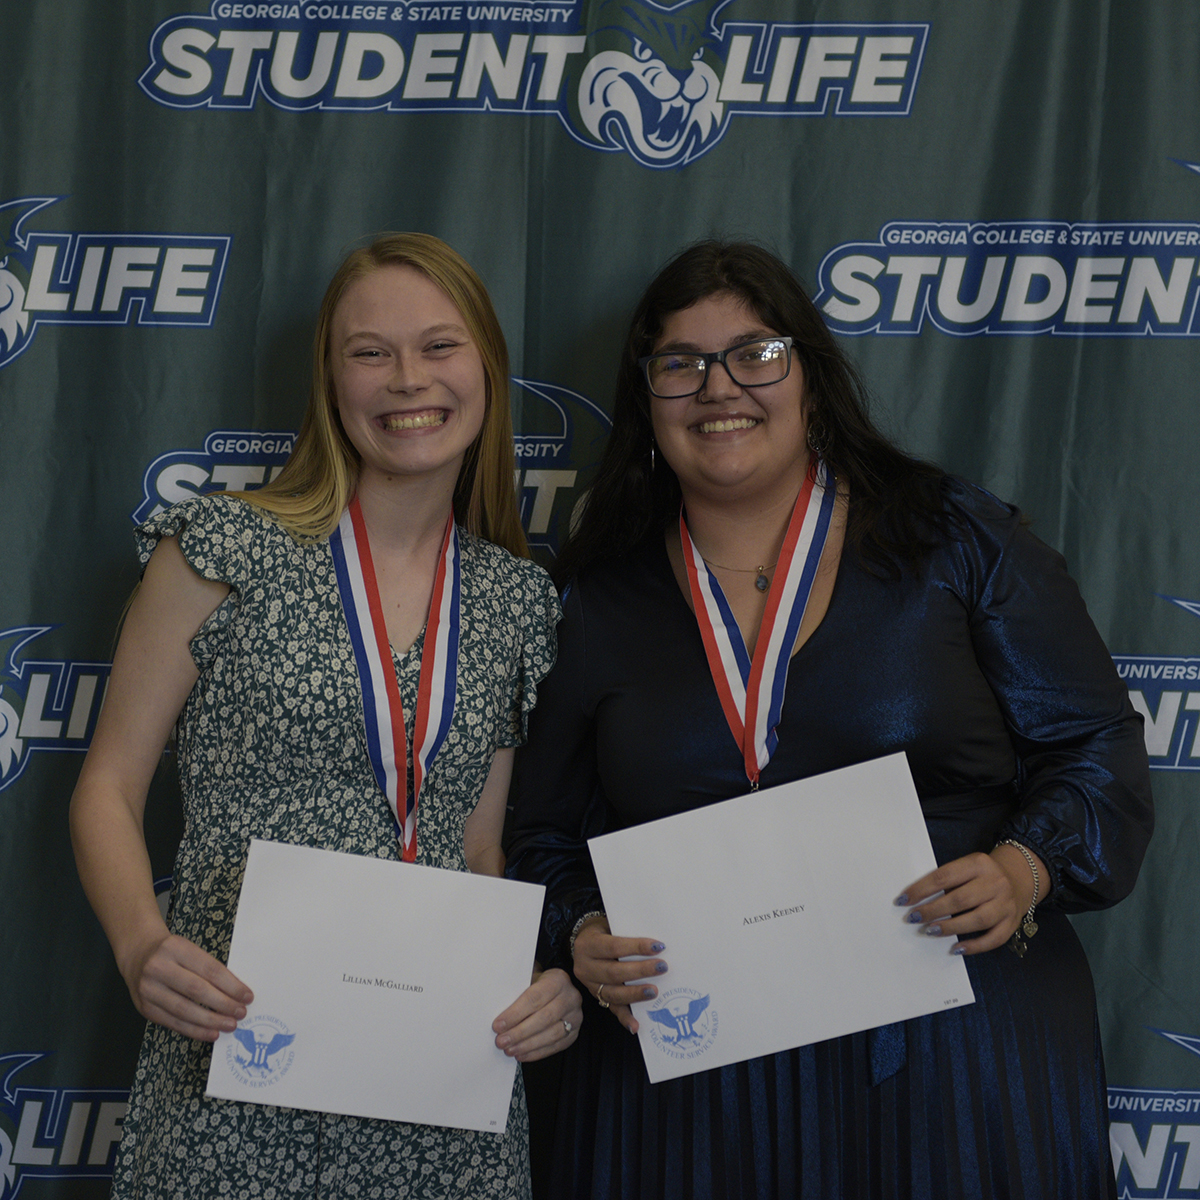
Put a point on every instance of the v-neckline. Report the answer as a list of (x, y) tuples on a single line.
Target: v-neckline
[(680, 589)]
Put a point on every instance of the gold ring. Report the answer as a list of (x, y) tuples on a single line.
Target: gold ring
[(600, 998)]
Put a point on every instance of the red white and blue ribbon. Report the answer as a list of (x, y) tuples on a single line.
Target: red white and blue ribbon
[(383, 712), (751, 689)]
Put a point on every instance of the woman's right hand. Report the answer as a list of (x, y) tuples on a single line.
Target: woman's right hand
[(172, 981), (175, 983), (598, 965)]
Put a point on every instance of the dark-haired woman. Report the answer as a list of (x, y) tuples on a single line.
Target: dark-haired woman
[(744, 486)]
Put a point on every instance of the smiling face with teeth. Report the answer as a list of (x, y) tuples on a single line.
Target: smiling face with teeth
[(729, 440), (409, 380)]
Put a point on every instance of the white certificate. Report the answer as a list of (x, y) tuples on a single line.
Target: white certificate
[(375, 987), (778, 915)]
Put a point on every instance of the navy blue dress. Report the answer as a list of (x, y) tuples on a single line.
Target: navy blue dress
[(987, 671)]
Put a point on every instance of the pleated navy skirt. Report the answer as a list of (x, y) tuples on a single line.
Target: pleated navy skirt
[(1003, 1099)]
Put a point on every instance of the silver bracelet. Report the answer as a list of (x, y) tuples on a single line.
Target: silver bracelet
[(1018, 944), (587, 916)]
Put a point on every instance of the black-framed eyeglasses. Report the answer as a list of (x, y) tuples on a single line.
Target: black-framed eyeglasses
[(677, 373)]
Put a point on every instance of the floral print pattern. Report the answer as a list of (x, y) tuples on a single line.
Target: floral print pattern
[(271, 745)]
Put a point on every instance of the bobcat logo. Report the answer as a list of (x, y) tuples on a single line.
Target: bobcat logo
[(14, 274), (10, 744), (14, 320), (656, 97)]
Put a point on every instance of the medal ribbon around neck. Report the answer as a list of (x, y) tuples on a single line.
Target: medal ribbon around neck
[(751, 691), (383, 712)]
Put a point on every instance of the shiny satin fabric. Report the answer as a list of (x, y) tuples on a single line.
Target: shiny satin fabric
[(988, 673)]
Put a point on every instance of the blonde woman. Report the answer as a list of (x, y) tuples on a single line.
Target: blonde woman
[(240, 637)]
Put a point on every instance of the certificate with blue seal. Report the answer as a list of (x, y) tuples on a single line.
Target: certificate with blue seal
[(375, 986), (777, 910)]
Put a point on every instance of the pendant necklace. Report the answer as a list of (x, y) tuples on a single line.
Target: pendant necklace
[(761, 581)]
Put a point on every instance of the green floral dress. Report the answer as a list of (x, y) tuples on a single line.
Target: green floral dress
[(271, 745)]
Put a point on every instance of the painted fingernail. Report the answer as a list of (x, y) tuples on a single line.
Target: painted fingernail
[(660, 968), (648, 993), (901, 899), (657, 948), (959, 948), (933, 930), (914, 917)]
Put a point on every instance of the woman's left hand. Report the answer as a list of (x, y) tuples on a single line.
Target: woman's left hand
[(983, 894), (543, 1020)]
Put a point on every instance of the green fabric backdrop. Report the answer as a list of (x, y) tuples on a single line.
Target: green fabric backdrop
[(177, 184)]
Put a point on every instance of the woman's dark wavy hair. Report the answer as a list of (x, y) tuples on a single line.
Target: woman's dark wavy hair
[(896, 510)]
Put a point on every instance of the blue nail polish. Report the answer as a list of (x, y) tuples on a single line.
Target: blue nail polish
[(648, 993), (933, 930), (914, 917), (660, 967), (901, 900), (958, 949), (657, 948)]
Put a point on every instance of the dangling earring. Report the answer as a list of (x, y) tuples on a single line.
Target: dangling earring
[(652, 455)]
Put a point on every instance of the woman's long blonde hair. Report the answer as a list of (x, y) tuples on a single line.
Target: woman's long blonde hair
[(317, 481)]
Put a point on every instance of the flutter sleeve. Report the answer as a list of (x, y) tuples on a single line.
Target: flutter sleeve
[(537, 612), (557, 799), (217, 535), (1084, 779)]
